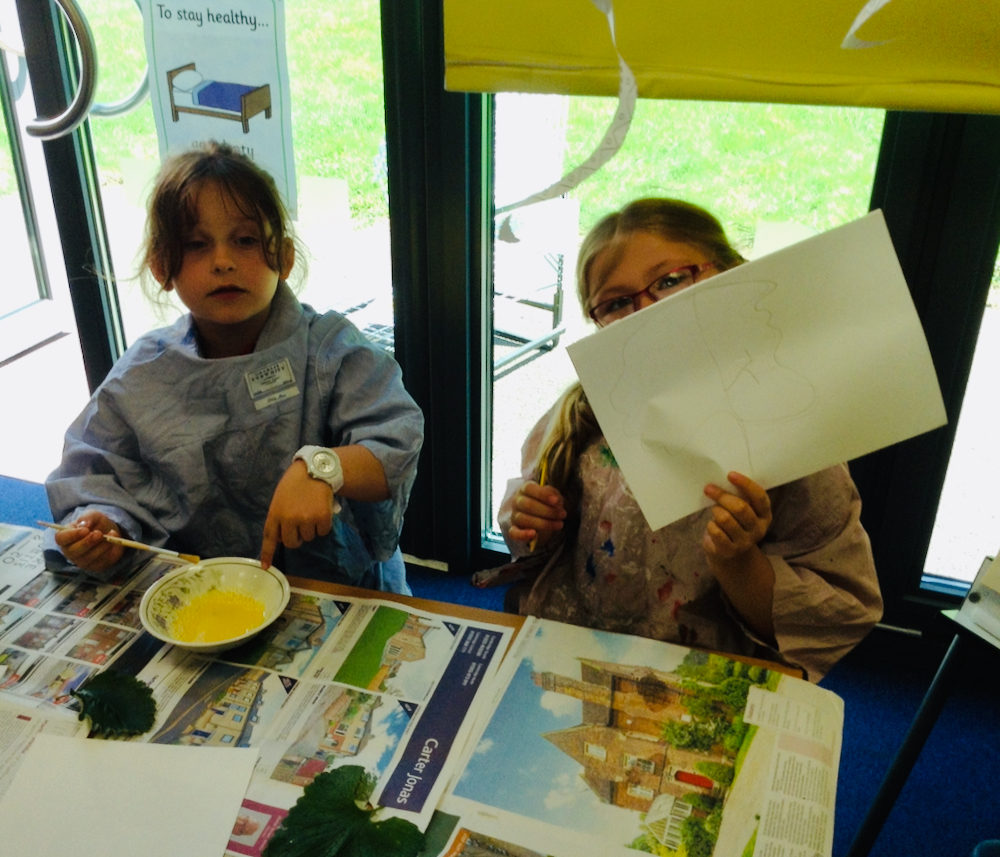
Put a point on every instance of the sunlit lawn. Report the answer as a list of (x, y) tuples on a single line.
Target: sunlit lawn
[(744, 162), (335, 71)]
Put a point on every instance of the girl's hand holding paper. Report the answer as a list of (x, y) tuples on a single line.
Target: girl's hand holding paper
[(739, 521)]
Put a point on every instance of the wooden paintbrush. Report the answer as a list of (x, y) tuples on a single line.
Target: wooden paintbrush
[(128, 543), (541, 481)]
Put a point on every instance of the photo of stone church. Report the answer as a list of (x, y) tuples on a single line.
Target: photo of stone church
[(626, 760)]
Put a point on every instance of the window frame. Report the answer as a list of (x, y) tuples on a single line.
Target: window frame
[(51, 55), (440, 212), (938, 184)]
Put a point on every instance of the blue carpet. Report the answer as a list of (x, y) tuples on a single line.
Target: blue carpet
[(453, 589), (22, 503), (950, 801)]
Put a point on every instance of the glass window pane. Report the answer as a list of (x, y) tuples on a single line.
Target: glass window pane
[(967, 526), (21, 285), (37, 328), (771, 173), (126, 151)]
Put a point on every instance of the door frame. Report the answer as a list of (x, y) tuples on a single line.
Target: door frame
[(51, 55)]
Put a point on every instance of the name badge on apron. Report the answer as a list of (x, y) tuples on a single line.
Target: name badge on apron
[(271, 384)]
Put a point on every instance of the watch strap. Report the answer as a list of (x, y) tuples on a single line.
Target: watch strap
[(323, 464)]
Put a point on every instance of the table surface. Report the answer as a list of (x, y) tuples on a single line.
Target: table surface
[(967, 624), (462, 611)]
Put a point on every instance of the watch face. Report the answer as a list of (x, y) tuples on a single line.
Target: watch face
[(325, 463)]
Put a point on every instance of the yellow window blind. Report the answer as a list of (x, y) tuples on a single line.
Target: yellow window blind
[(895, 54)]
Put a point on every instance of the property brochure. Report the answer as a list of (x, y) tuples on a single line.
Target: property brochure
[(604, 744), (335, 681)]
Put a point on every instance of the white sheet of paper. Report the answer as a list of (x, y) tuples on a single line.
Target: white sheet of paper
[(991, 575), (97, 798), (804, 358)]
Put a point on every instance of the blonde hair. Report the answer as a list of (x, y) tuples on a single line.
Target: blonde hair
[(574, 427)]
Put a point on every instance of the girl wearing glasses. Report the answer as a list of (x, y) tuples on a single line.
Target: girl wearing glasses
[(785, 574)]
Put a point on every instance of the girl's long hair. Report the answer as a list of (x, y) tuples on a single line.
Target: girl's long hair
[(573, 426)]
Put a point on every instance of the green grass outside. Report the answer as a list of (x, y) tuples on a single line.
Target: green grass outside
[(335, 71), (366, 657), (744, 162), (7, 182)]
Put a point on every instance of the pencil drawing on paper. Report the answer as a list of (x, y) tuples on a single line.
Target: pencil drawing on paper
[(742, 385)]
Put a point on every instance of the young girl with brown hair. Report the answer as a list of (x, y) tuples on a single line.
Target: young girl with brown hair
[(254, 424), (785, 574)]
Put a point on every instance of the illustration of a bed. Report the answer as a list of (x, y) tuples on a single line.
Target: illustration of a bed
[(191, 93)]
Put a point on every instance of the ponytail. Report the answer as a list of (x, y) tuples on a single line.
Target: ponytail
[(572, 429)]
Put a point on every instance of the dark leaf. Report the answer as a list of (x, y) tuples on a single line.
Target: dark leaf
[(327, 822), (118, 705), (393, 837)]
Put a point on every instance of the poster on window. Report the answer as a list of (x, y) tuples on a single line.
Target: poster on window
[(218, 71)]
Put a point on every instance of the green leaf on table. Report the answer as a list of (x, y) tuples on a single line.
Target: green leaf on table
[(327, 822), (394, 836), (118, 705)]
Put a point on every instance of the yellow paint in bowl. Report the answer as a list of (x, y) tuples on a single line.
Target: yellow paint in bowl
[(217, 615)]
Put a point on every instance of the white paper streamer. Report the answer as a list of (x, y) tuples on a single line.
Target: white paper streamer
[(613, 138), (852, 42)]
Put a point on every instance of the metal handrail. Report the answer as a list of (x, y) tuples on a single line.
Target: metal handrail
[(79, 108), (128, 104), (18, 51), (99, 109)]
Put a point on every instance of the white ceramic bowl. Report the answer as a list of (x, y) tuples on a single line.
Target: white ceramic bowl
[(177, 589)]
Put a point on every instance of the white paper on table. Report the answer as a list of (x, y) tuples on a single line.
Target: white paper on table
[(804, 358), (20, 725), (982, 604), (990, 576), (97, 798)]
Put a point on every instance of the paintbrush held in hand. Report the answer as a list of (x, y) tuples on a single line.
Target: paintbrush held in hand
[(128, 543)]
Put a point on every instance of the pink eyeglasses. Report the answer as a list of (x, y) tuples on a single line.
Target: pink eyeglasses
[(666, 284)]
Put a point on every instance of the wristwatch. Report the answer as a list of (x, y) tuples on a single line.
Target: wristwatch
[(323, 464)]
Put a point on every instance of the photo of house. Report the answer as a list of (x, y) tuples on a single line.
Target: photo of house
[(619, 744), (226, 706), (398, 653), (343, 727)]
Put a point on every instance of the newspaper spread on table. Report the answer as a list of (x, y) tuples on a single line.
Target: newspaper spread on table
[(579, 743), (337, 680)]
